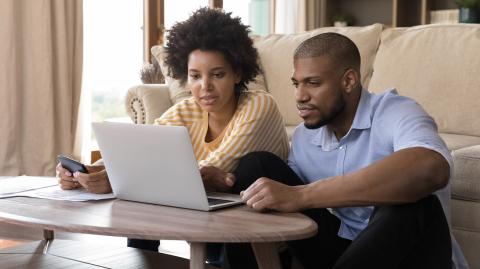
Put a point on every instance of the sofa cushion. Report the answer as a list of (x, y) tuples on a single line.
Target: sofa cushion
[(179, 92), (466, 174), (437, 65), (469, 241), (455, 141), (276, 56), (465, 215)]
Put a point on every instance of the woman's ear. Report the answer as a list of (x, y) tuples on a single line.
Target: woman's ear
[(238, 77)]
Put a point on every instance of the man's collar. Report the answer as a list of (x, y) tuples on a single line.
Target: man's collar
[(326, 139), (363, 116)]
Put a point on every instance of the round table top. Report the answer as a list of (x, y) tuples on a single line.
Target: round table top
[(146, 221)]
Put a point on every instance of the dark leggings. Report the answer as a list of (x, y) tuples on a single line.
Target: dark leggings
[(413, 235)]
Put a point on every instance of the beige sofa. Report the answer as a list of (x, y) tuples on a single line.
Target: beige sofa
[(437, 65)]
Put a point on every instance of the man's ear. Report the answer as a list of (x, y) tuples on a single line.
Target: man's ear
[(351, 79)]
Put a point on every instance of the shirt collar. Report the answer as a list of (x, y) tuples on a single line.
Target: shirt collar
[(363, 120), (363, 116)]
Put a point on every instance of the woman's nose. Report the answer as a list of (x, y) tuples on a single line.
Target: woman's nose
[(206, 84)]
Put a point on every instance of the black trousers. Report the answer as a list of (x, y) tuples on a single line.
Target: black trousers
[(413, 235)]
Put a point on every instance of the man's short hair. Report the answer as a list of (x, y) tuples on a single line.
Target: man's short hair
[(340, 49)]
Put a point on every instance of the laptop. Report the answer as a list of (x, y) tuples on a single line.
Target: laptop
[(155, 164)]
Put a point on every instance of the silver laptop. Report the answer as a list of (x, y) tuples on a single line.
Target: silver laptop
[(155, 164)]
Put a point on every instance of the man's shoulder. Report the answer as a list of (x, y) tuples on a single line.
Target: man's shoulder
[(392, 104), (389, 96)]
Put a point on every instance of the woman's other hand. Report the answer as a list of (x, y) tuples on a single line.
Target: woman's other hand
[(96, 181), (215, 179)]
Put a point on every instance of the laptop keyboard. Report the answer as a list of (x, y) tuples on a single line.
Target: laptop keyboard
[(215, 201)]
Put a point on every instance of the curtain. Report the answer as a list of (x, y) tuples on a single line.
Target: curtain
[(295, 16), (40, 83)]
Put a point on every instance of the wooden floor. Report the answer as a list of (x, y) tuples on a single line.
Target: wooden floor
[(4, 243), (11, 235), (77, 254), (22, 247)]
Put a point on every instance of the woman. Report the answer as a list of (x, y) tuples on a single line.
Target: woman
[(212, 54)]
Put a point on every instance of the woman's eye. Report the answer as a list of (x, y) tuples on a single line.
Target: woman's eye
[(219, 75), (194, 76)]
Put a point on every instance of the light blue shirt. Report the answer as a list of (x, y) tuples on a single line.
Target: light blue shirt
[(384, 123)]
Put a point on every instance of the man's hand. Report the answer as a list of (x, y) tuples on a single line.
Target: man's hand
[(96, 181), (265, 194), (215, 179)]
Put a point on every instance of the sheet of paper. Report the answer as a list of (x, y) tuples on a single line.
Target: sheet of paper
[(45, 188), (11, 185), (56, 193)]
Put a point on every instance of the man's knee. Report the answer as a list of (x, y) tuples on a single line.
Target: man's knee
[(428, 206), (257, 157)]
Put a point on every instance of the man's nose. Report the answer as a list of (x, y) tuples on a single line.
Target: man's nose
[(301, 94)]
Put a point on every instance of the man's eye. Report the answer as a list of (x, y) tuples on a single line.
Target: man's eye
[(313, 83), (295, 84), (194, 76), (219, 75)]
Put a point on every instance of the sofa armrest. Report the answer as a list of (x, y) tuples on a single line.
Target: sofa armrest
[(145, 103)]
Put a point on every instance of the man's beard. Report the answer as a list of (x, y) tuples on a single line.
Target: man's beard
[(337, 110)]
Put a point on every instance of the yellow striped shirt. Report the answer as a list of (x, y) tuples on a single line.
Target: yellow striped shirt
[(256, 125)]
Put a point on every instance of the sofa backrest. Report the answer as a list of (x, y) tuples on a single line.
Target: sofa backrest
[(276, 57), (438, 66)]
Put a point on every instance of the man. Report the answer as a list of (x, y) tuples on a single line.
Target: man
[(362, 166)]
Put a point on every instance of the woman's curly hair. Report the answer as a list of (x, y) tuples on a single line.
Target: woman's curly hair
[(212, 30)]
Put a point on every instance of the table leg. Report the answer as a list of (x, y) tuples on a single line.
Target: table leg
[(267, 255), (48, 235), (198, 255)]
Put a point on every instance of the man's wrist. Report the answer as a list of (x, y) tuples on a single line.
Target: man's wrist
[(304, 200)]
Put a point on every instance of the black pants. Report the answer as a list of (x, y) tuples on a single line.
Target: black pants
[(414, 235)]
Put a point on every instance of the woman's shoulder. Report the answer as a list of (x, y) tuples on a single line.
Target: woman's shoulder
[(259, 101), (189, 101), (186, 104), (184, 109), (258, 96)]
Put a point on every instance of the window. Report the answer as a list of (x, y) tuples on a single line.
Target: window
[(113, 41), (255, 13), (175, 12), (112, 58)]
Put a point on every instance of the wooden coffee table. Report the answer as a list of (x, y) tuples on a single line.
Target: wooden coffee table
[(146, 221)]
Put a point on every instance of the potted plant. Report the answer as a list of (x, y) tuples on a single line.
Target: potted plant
[(469, 10), (342, 20)]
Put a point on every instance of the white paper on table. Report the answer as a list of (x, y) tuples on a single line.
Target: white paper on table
[(56, 193), (11, 185), (45, 188)]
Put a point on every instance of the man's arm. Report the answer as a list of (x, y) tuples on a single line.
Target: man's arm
[(405, 176)]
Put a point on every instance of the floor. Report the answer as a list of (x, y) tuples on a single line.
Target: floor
[(82, 254), (11, 235)]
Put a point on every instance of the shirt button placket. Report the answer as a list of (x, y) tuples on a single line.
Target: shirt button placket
[(341, 160)]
